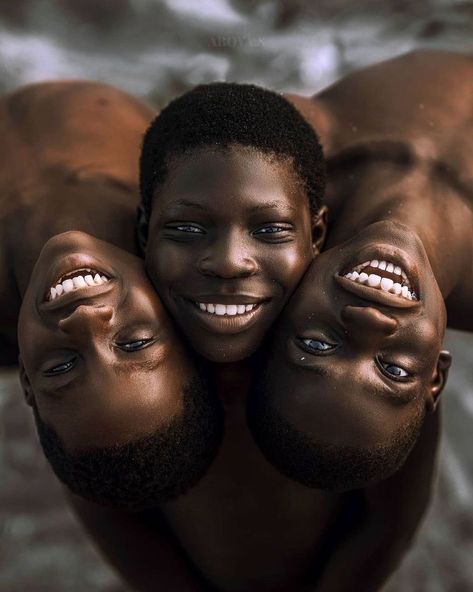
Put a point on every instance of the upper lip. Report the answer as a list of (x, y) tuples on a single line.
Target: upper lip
[(226, 298)]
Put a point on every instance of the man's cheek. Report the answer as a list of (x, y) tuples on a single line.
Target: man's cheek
[(292, 265)]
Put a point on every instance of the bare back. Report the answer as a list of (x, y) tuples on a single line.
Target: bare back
[(67, 147)]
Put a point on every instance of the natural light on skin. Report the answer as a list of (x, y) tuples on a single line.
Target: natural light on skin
[(350, 364), (230, 236), (101, 360)]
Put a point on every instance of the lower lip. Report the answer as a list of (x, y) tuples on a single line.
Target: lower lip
[(224, 324)]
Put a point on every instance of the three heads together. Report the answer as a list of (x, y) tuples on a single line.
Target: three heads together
[(231, 225)]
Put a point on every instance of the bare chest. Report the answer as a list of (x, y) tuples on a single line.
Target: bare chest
[(245, 526)]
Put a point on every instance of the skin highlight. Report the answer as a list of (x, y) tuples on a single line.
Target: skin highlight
[(229, 227)]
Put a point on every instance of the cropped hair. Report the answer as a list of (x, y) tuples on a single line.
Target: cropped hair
[(221, 115)]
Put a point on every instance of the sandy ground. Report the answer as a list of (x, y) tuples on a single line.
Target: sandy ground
[(157, 49)]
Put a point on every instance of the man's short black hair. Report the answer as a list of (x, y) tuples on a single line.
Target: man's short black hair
[(143, 473), (321, 465), (222, 114)]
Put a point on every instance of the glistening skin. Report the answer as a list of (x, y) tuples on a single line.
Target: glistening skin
[(229, 229)]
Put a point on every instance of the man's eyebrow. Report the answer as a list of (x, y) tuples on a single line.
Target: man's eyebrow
[(271, 205), (187, 204), (394, 151)]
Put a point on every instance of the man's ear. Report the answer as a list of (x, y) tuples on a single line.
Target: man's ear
[(25, 384), (142, 227), (439, 378), (319, 229)]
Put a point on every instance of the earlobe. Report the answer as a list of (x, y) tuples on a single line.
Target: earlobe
[(319, 229), (25, 384), (439, 378), (141, 230)]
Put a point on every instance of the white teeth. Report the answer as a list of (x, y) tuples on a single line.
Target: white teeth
[(68, 285), (75, 283), (374, 281), (78, 282), (220, 309), (386, 284), (225, 309)]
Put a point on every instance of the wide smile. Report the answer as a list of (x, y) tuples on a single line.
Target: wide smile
[(385, 276), (75, 277), (391, 280), (232, 316)]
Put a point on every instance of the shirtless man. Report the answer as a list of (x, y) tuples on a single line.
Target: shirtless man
[(356, 366), (122, 412), (245, 526)]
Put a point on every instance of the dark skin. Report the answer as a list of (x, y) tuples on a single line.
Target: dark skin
[(232, 531), (404, 164), (230, 228), (397, 143), (101, 363)]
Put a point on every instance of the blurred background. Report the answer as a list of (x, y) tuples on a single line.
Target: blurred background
[(157, 49)]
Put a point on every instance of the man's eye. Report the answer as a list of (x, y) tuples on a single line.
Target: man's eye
[(60, 368), (132, 346), (272, 229), (189, 228), (393, 370), (318, 346)]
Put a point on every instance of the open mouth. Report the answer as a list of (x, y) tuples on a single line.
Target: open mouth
[(73, 281), (384, 276), (226, 318), (230, 310)]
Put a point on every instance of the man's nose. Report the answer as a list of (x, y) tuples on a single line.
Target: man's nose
[(229, 257), (366, 321), (86, 320)]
